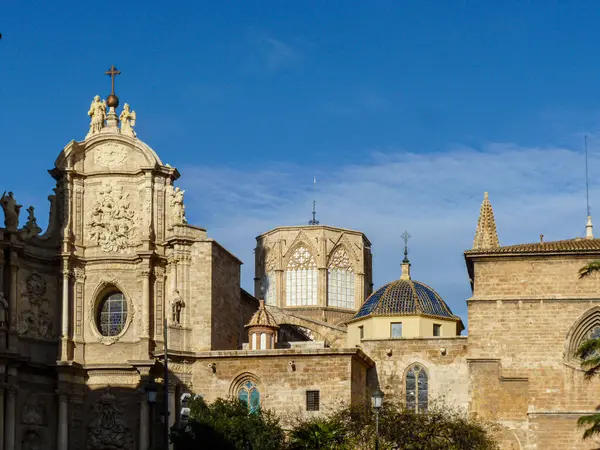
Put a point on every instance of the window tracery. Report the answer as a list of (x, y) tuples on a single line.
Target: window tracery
[(585, 328), (417, 388), (112, 314), (249, 394), (301, 279), (340, 280)]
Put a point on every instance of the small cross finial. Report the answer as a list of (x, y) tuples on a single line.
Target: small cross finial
[(406, 237), (112, 73)]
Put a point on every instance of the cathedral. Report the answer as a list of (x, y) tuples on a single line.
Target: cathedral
[(86, 304)]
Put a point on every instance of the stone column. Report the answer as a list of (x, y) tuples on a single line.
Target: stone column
[(13, 290), (280, 300), (145, 333), (1, 269), (322, 287), (63, 423), (172, 408), (359, 290), (1, 417), (64, 354), (144, 423), (11, 414)]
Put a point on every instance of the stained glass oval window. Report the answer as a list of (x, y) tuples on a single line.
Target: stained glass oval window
[(250, 395), (112, 314)]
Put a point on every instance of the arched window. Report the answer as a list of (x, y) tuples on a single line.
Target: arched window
[(585, 328), (270, 288), (417, 390), (301, 279), (249, 394), (112, 314), (340, 280)]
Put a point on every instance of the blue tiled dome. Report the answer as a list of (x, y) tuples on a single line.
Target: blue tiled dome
[(405, 297)]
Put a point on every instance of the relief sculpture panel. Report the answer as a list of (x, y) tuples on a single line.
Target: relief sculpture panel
[(112, 223), (35, 318)]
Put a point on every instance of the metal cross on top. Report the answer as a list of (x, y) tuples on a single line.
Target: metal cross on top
[(112, 72), (406, 237)]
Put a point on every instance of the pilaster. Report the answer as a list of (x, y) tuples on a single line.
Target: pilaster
[(66, 287), (62, 441), (2, 389)]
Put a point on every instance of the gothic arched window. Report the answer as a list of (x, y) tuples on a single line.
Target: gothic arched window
[(417, 390), (112, 314), (250, 395), (340, 280), (585, 328), (301, 279)]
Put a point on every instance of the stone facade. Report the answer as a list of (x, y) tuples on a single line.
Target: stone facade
[(83, 309)]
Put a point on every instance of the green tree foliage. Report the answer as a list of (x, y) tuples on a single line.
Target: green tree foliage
[(228, 425), (319, 433)]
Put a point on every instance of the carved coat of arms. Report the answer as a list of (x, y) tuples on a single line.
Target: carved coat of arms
[(112, 223), (108, 430)]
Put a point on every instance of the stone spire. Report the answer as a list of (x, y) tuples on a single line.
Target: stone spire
[(589, 228), (486, 235)]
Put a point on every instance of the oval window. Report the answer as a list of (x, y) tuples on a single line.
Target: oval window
[(112, 314)]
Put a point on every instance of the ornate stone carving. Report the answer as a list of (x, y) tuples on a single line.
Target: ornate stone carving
[(11, 211), (301, 259), (111, 155), (3, 311), (180, 368), (127, 119), (340, 259), (178, 206), (112, 222), (177, 304), (32, 440), (34, 411), (33, 418), (35, 321), (270, 260), (108, 428), (97, 113), (31, 227)]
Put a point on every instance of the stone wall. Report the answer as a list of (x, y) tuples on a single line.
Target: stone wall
[(284, 376), (445, 360), (226, 299), (525, 318)]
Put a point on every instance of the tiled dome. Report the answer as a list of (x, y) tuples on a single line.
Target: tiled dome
[(405, 297)]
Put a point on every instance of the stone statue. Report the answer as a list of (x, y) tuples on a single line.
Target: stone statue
[(178, 207), (177, 305), (11, 211), (31, 227), (127, 119), (97, 114), (3, 311)]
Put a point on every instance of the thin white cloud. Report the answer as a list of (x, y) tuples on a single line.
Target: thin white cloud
[(434, 196), (273, 54)]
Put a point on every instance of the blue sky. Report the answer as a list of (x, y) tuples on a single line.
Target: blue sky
[(405, 111)]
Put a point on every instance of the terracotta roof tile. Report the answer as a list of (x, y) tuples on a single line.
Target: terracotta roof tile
[(577, 245)]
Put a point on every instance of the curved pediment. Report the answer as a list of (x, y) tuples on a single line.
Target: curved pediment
[(107, 153)]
